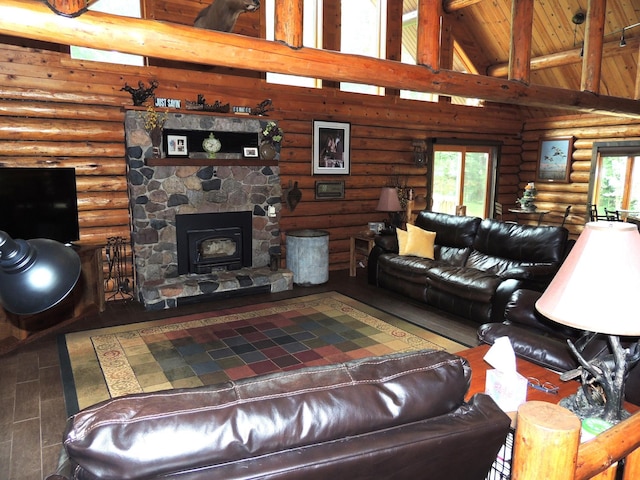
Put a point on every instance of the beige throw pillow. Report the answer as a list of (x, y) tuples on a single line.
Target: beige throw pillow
[(416, 241)]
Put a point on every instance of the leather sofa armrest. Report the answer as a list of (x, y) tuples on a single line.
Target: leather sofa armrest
[(389, 242), (383, 243), (502, 297), (550, 352)]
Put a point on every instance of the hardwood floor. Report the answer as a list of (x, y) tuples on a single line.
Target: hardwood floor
[(32, 411)]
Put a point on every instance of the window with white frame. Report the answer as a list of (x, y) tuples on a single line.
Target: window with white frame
[(363, 32), (311, 37), (125, 8), (464, 175), (615, 180)]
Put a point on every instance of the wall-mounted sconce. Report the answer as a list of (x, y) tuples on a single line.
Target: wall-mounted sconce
[(419, 153)]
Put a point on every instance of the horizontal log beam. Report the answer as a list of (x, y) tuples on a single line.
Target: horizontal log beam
[(451, 6), (31, 19), (566, 57)]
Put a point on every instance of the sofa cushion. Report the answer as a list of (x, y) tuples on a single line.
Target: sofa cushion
[(416, 241), (508, 268), (524, 243), (405, 266), (147, 435), (468, 283), (451, 230)]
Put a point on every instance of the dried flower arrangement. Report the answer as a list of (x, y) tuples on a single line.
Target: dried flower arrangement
[(154, 120)]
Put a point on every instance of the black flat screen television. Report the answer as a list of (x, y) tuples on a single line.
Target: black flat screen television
[(39, 203)]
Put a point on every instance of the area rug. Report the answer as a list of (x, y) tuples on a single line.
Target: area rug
[(213, 347)]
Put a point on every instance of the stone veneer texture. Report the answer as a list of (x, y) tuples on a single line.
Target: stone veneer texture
[(158, 193)]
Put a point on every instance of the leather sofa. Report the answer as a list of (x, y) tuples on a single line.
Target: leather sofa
[(400, 416), (477, 263), (543, 341)]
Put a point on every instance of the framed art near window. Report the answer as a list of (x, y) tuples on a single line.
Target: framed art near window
[(331, 148), (554, 160)]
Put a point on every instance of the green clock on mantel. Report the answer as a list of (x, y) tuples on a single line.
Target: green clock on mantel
[(211, 145)]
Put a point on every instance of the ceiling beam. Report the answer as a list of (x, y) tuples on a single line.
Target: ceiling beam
[(32, 19), (453, 5), (520, 51), (594, 39), (561, 59)]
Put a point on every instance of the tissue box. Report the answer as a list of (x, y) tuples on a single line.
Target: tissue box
[(508, 389)]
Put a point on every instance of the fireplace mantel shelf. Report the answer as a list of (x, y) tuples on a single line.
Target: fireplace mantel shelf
[(244, 162)]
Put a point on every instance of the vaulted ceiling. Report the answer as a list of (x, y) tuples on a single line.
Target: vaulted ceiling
[(486, 32)]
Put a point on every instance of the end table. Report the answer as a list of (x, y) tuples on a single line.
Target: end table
[(361, 245)]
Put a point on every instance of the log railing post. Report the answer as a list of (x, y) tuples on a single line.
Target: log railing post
[(68, 8), (288, 22), (546, 442), (429, 24), (632, 465)]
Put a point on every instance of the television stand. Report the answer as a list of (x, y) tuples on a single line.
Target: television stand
[(86, 298)]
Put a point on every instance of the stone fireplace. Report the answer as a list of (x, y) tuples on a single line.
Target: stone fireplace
[(225, 206)]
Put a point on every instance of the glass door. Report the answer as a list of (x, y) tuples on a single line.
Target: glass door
[(462, 176)]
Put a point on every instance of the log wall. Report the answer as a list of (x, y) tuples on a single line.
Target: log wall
[(55, 111), (586, 130), (59, 112)]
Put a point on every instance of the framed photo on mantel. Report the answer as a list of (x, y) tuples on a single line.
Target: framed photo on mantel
[(554, 160), (331, 148)]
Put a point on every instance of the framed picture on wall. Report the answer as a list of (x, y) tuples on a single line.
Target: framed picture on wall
[(331, 148), (554, 159)]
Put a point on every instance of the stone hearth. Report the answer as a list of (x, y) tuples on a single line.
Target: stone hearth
[(158, 193)]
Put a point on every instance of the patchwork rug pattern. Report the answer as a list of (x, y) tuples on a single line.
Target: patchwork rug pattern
[(213, 347)]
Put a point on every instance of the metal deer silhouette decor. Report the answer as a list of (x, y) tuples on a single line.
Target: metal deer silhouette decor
[(141, 94)]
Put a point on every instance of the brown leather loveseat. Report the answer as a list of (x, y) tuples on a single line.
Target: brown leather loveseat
[(477, 263), (400, 416), (543, 341)]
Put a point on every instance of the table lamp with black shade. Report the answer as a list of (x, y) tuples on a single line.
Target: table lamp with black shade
[(389, 202), (596, 290), (35, 274)]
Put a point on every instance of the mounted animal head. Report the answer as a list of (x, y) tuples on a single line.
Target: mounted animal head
[(222, 15)]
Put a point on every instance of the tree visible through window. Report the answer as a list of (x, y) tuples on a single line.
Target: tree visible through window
[(618, 182)]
